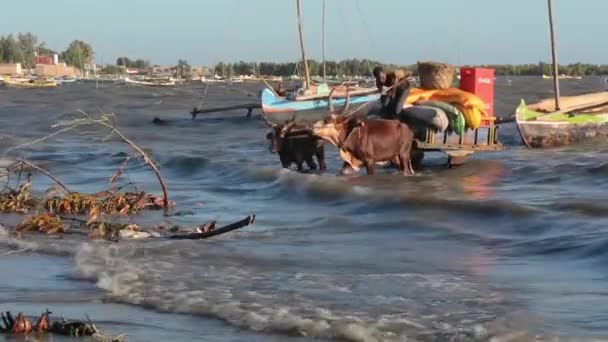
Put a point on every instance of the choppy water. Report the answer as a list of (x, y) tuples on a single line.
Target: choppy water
[(510, 243)]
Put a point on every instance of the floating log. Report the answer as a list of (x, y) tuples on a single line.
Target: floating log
[(197, 236), (249, 106)]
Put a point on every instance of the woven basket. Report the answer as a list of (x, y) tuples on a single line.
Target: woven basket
[(435, 75)]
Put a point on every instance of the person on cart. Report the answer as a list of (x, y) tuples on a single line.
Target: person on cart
[(395, 88)]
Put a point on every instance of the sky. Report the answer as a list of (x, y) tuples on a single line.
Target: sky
[(205, 32)]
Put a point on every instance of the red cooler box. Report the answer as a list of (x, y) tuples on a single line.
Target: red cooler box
[(480, 82)]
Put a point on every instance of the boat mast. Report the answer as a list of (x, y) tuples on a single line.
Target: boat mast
[(554, 55), (306, 71), (323, 43)]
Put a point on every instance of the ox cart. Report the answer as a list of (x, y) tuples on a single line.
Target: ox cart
[(458, 147)]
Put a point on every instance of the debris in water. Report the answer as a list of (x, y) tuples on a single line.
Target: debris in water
[(22, 326)]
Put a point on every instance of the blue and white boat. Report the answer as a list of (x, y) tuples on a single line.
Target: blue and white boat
[(278, 110), (313, 105)]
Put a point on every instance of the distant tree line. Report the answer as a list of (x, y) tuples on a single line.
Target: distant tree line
[(182, 68), (364, 67), (576, 69), (348, 67), (23, 48), (130, 63)]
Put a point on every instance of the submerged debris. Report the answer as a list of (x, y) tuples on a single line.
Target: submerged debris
[(17, 200), (44, 223), (21, 326)]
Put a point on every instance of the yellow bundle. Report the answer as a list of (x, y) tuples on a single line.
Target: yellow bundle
[(471, 106)]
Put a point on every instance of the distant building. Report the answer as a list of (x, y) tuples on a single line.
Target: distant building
[(48, 59), (11, 69), (55, 70), (200, 71), (162, 69)]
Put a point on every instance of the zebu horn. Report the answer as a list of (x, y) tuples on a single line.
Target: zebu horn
[(287, 127), (329, 100), (347, 104), (268, 123)]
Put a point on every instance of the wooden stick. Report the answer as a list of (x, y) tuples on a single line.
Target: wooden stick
[(46, 173), (197, 236), (323, 44), (554, 55), (248, 106), (300, 29)]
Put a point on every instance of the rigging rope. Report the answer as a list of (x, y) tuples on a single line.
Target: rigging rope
[(370, 42)]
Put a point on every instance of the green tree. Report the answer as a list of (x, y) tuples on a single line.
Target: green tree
[(183, 68), (112, 70), (28, 44), (220, 69), (141, 64), (123, 61), (11, 50), (78, 54)]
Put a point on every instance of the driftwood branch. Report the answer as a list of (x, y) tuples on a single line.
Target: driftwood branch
[(197, 236)]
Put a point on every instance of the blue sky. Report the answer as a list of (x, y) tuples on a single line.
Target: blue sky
[(399, 31)]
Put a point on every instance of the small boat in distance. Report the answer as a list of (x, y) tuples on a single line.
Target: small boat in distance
[(151, 82), (29, 83), (65, 80), (215, 79), (563, 77)]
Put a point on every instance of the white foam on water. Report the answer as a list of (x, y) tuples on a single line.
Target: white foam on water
[(249, 293)]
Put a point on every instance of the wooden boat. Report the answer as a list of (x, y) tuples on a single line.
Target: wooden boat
[(560, 128), (278, 110), (310, 103), (29, 84), (562, 120), (150, 83)]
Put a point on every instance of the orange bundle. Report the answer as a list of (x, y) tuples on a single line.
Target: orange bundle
[(471, 106)]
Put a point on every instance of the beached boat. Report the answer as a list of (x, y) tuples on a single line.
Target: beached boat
[(560, 128), (150, 83), (11, 83), (562, 121), (278, 110)]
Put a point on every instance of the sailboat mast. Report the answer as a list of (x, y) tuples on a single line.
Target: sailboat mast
[(554, 55), (302, 44), (323, 43)]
